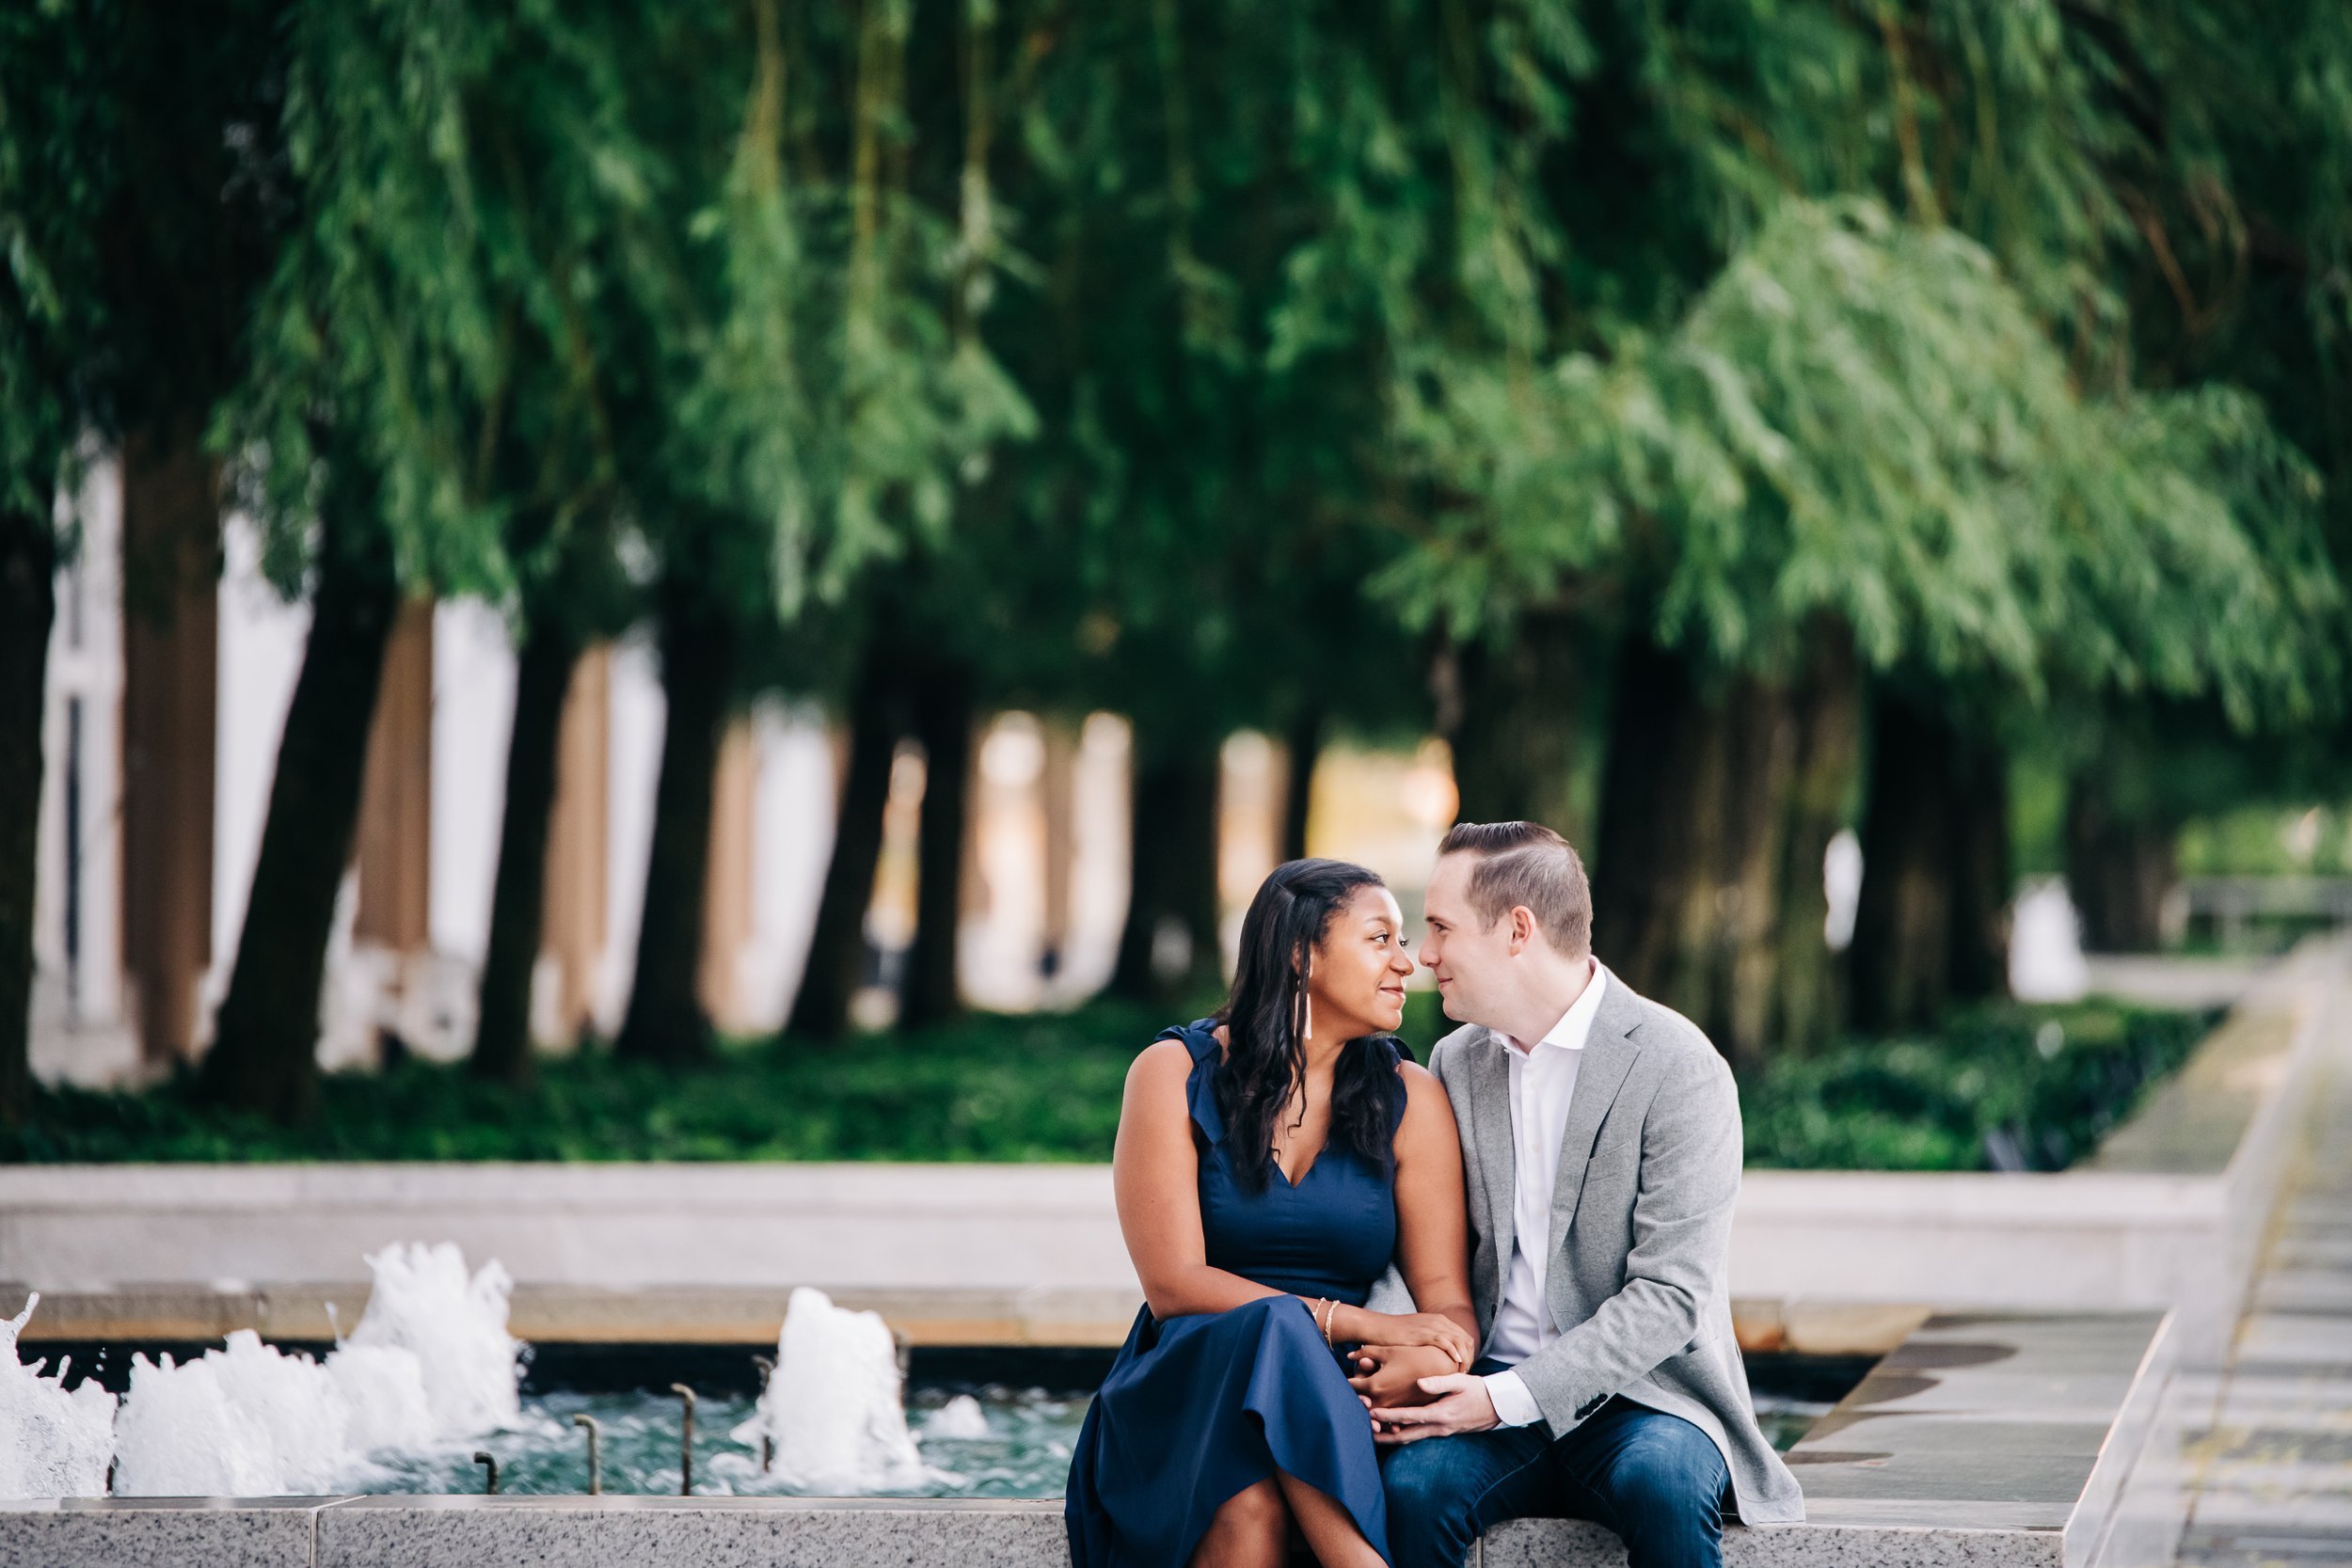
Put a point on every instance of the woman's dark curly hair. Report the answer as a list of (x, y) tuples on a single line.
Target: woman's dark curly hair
[(1265, 1025)]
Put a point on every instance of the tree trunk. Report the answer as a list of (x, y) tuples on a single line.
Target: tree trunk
[(265, 1055), (944, 723), (2118, 872), (1827, 707), (837, 949), (1737, 921), (28, 604), (665, 1021), (1656, 836), (1303, 740), (1902, 949), (1167, 947), (1514, 714), (501, 1047), (1981, 874)]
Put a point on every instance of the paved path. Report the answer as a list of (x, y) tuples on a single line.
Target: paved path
[(2271, 1482)]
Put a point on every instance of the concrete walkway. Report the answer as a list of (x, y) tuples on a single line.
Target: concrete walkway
[(2269, 1480)]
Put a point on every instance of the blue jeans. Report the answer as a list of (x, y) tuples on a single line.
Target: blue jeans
[(1655, 1479)]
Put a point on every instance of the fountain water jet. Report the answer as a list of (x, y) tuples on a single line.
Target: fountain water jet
[(53, 1442), (834, 1406), (423, 1302), (430, 1363), (959, 1419)]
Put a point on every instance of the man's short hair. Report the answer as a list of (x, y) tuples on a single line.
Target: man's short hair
[(1527, 863)]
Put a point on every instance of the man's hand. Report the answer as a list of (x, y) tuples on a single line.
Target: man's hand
[(1457, 1403), (1391, 1374)]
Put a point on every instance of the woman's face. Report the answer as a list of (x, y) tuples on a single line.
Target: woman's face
[(1358, 979)]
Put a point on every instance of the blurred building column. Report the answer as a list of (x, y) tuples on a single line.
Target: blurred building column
[(1058, 797), (78, 1028), (396, 837), (976, 898), (382, 986), (727, 890), (572, 933), (171, 642)]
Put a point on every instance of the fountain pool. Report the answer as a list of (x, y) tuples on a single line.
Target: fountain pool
[(429, 1383), (1018, 1447), (1022, 1451)]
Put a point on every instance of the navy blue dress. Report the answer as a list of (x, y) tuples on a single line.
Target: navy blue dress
[(1201, 1407)]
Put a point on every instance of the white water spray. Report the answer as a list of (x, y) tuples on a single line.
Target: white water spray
[(961, 1419), (53, 1442), (834, 1405), (430, 1363), (455, 1325)]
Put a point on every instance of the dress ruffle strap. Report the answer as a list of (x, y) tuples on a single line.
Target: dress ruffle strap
[(1199, 1037)]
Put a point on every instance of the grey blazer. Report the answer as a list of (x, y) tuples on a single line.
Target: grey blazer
[(1641, 1231)]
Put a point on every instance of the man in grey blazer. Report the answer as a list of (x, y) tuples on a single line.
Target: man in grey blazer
[(1600, 1133)]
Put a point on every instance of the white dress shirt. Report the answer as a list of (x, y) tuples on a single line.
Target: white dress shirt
[(1543, 1081)]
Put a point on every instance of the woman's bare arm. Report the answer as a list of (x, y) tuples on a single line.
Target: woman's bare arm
[(1432, 1249), (1155, 1173), (1432, 1215)]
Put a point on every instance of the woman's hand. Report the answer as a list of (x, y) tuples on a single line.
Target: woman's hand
[(1389, 1376), (1412, 1328)]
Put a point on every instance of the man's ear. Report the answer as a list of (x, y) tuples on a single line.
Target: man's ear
[(1522, 928)]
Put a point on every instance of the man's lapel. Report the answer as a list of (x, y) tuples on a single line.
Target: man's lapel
[(1490, 1125), (1608, 1056)]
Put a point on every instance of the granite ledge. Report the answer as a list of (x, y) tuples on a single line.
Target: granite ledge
[(773, 1532), (161, 1532), (1577, 1543)]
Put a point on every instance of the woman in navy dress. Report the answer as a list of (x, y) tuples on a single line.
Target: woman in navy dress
[(1272, 1160)]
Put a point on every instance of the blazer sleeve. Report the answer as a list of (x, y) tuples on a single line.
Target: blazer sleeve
[(1690, 1180)]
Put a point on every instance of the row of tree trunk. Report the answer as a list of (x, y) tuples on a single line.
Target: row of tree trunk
[(901, 694), (1718, 798)]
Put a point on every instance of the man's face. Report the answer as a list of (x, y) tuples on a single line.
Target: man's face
[(1469, 958)]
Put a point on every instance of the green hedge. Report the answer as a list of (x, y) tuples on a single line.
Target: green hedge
[(1047, 1088), (2002, 1087)]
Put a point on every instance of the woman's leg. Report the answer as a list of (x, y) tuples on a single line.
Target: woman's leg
[(1251, 1530), (1330, 1530)]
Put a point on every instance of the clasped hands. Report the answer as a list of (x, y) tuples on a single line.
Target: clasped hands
[(1417, 1391)]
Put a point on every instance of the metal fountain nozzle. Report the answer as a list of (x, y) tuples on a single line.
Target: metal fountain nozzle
[(686, 1441), (596, 1452)]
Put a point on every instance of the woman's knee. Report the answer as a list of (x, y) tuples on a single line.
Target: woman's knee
[(1255, 1511)]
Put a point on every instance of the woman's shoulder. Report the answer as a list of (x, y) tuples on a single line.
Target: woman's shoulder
[(1167, 1072), (1168, 1056), (1421, 1100)]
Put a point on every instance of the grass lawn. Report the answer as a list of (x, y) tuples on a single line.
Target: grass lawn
[(2044, 1083)]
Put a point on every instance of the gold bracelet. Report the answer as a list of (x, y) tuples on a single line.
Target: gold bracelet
[(1331, 1311)]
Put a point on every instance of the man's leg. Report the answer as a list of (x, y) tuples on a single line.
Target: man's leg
[(1655, 1479), (1444, 1492)]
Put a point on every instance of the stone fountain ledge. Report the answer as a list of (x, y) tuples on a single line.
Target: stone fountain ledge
[(2004, 1440)]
